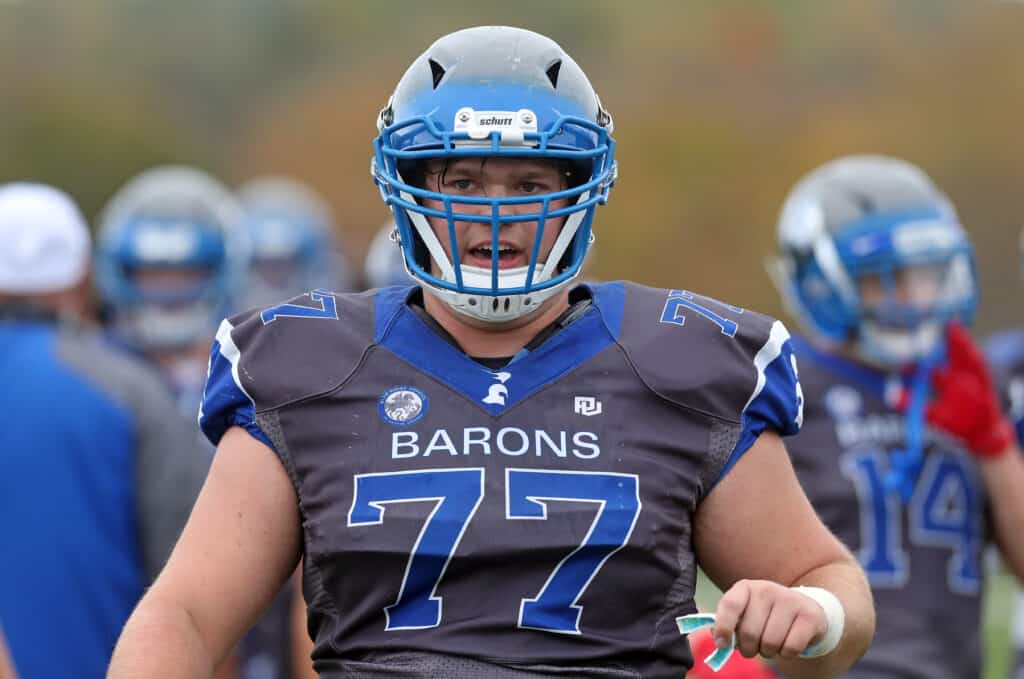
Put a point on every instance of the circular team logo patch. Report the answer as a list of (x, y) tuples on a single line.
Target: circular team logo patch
[(401, 406)]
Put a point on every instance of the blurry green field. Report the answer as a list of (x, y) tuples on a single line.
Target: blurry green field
[(999, 599), (998, 604)]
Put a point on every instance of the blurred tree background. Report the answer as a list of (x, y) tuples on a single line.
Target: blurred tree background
[(719, 108)]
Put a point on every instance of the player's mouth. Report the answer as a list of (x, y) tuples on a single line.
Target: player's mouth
[(509, 256)]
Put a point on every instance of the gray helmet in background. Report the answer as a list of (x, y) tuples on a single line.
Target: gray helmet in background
[(874, 219), (294, 241), (170, 256)]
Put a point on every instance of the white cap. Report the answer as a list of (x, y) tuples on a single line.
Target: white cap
[(44, 240)]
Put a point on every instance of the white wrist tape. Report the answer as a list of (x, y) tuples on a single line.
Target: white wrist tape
[(835, 619)]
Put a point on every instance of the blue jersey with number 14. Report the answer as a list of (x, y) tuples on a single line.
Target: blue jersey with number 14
[(530, 521), (922, 553)]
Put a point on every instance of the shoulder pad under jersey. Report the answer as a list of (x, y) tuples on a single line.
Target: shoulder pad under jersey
[(267, 358), (704, 355)]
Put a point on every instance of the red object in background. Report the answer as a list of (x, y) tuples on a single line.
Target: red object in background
[(966, 404), (737, 667)]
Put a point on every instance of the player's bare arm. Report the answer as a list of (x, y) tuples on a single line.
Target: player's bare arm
[(240, 545), (6, 666), (756, 536), (1004, 477)]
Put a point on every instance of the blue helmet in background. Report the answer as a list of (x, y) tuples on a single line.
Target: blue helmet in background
[(170, 258), (494, 91), (293, 239), (871, 251), (385, 264)]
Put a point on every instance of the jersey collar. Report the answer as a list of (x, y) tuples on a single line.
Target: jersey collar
[(400, 330)]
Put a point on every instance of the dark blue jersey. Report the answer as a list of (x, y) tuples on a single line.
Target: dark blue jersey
[(527, 521), (922, 554)]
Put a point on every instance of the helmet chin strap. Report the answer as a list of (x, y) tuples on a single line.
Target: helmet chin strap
[(488, 307)]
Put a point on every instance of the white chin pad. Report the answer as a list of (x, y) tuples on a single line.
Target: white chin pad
[(898, 347), (495, 308), (480, 277)]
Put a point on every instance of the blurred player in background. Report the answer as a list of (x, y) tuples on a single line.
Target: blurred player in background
[(96, 480), (1005, 353), (294, 249), (294, 243), (385, 264), (904, 451), (498, 472), (170, 261)]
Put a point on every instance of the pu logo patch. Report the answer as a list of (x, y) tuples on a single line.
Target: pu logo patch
[(497, 393), (586, 405)]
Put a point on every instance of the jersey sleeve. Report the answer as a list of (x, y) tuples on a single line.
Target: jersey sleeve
[(263, 361), (226, 402), (776, 402), (731, 370)]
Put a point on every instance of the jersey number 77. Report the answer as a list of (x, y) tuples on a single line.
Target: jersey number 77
[(528, 493)]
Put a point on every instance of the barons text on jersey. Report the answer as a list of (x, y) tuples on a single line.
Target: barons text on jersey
[(461, 521)]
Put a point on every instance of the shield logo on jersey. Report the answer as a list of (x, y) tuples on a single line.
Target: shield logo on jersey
[(497, 393), (402, 406)]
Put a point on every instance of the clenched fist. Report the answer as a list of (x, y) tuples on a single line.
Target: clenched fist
[(768, 619)]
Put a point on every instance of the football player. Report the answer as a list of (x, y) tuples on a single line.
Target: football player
[(169, 263), (497, 472), (293, 242), (904, 451)]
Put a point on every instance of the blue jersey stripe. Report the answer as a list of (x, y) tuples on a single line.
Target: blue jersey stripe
[(225, 401)]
